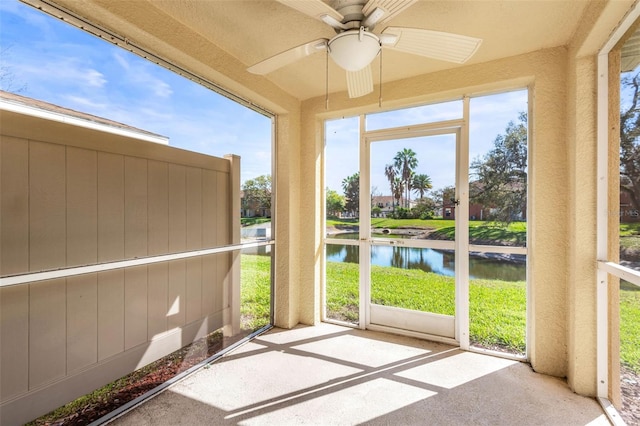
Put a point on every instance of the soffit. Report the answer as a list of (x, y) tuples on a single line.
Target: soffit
[(631, 52), (250, 31)]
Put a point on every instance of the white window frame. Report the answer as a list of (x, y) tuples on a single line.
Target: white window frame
[(462, 226)]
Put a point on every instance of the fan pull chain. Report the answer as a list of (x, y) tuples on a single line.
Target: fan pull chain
[(326, 83), (380, 78)]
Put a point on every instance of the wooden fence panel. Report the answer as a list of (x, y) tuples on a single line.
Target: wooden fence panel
[(135, 207), (14, 258), (47, 332), (86, 197), (82, 322), (14, 206), (14, 326), (110, 207), (47, 206), (82, 207)]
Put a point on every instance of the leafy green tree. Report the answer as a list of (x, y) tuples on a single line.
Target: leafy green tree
[(629, 141), (335, 203), (351, 188), (424, 209), (401, 213), (501, 174), (421, 184), (257, 193), (405, 163)]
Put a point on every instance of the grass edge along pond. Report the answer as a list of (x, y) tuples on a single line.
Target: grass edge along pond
[(497, 309)]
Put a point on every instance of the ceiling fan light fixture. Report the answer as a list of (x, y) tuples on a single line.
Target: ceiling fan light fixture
[(354, 49)]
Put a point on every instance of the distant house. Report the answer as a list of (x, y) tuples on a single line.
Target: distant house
[(627, 212), (252, 208), (387, 204), (477, 211)]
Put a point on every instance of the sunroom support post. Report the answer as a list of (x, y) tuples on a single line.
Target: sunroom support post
[(232, 326)]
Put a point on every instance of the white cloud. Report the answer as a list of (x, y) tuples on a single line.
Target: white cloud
[(160, 88), (60, 71), (121, 60), (93, 78)]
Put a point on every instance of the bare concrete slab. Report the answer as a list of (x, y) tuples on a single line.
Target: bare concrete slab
[(333, 375)]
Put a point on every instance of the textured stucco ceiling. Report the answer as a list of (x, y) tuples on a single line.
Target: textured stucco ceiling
[(251, 31)]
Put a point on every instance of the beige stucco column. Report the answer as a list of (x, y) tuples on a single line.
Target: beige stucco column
[(581, 199)]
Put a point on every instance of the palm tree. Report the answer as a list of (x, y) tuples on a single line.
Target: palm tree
[(390, 173), (421, 184), (396, 190), (406, 161)]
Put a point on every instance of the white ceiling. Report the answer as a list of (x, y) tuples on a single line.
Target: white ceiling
[(251, 31)]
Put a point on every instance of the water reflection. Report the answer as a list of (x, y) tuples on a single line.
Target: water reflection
[(429, 260)]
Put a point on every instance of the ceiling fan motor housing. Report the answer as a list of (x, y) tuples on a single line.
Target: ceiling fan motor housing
[(354, 49)]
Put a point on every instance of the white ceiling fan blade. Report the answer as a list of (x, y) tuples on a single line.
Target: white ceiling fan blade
[(360, 83), (316, 9), (433, 44), (288, 57), (391, 8)]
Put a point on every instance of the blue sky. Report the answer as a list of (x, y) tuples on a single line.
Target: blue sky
[(63, 65), (489, 117)]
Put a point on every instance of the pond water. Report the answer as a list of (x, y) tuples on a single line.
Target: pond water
[(430, 260)]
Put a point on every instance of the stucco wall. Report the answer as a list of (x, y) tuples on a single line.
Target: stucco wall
[(581, 222), (597, 24), (545, 72)]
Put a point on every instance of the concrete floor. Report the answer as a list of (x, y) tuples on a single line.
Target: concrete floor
[(332, 375)]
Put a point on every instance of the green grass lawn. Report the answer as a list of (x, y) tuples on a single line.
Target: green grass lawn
[(515, 232), (247, 221), (630, 327), (255, 291), (497, 309), (628, 229)]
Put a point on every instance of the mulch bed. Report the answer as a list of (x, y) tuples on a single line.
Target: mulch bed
[(630, 387), (139, 382)]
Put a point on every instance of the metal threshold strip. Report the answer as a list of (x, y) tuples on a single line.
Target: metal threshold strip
[(118, 412)]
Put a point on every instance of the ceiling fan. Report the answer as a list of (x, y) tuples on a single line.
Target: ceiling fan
[(355, 45)]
